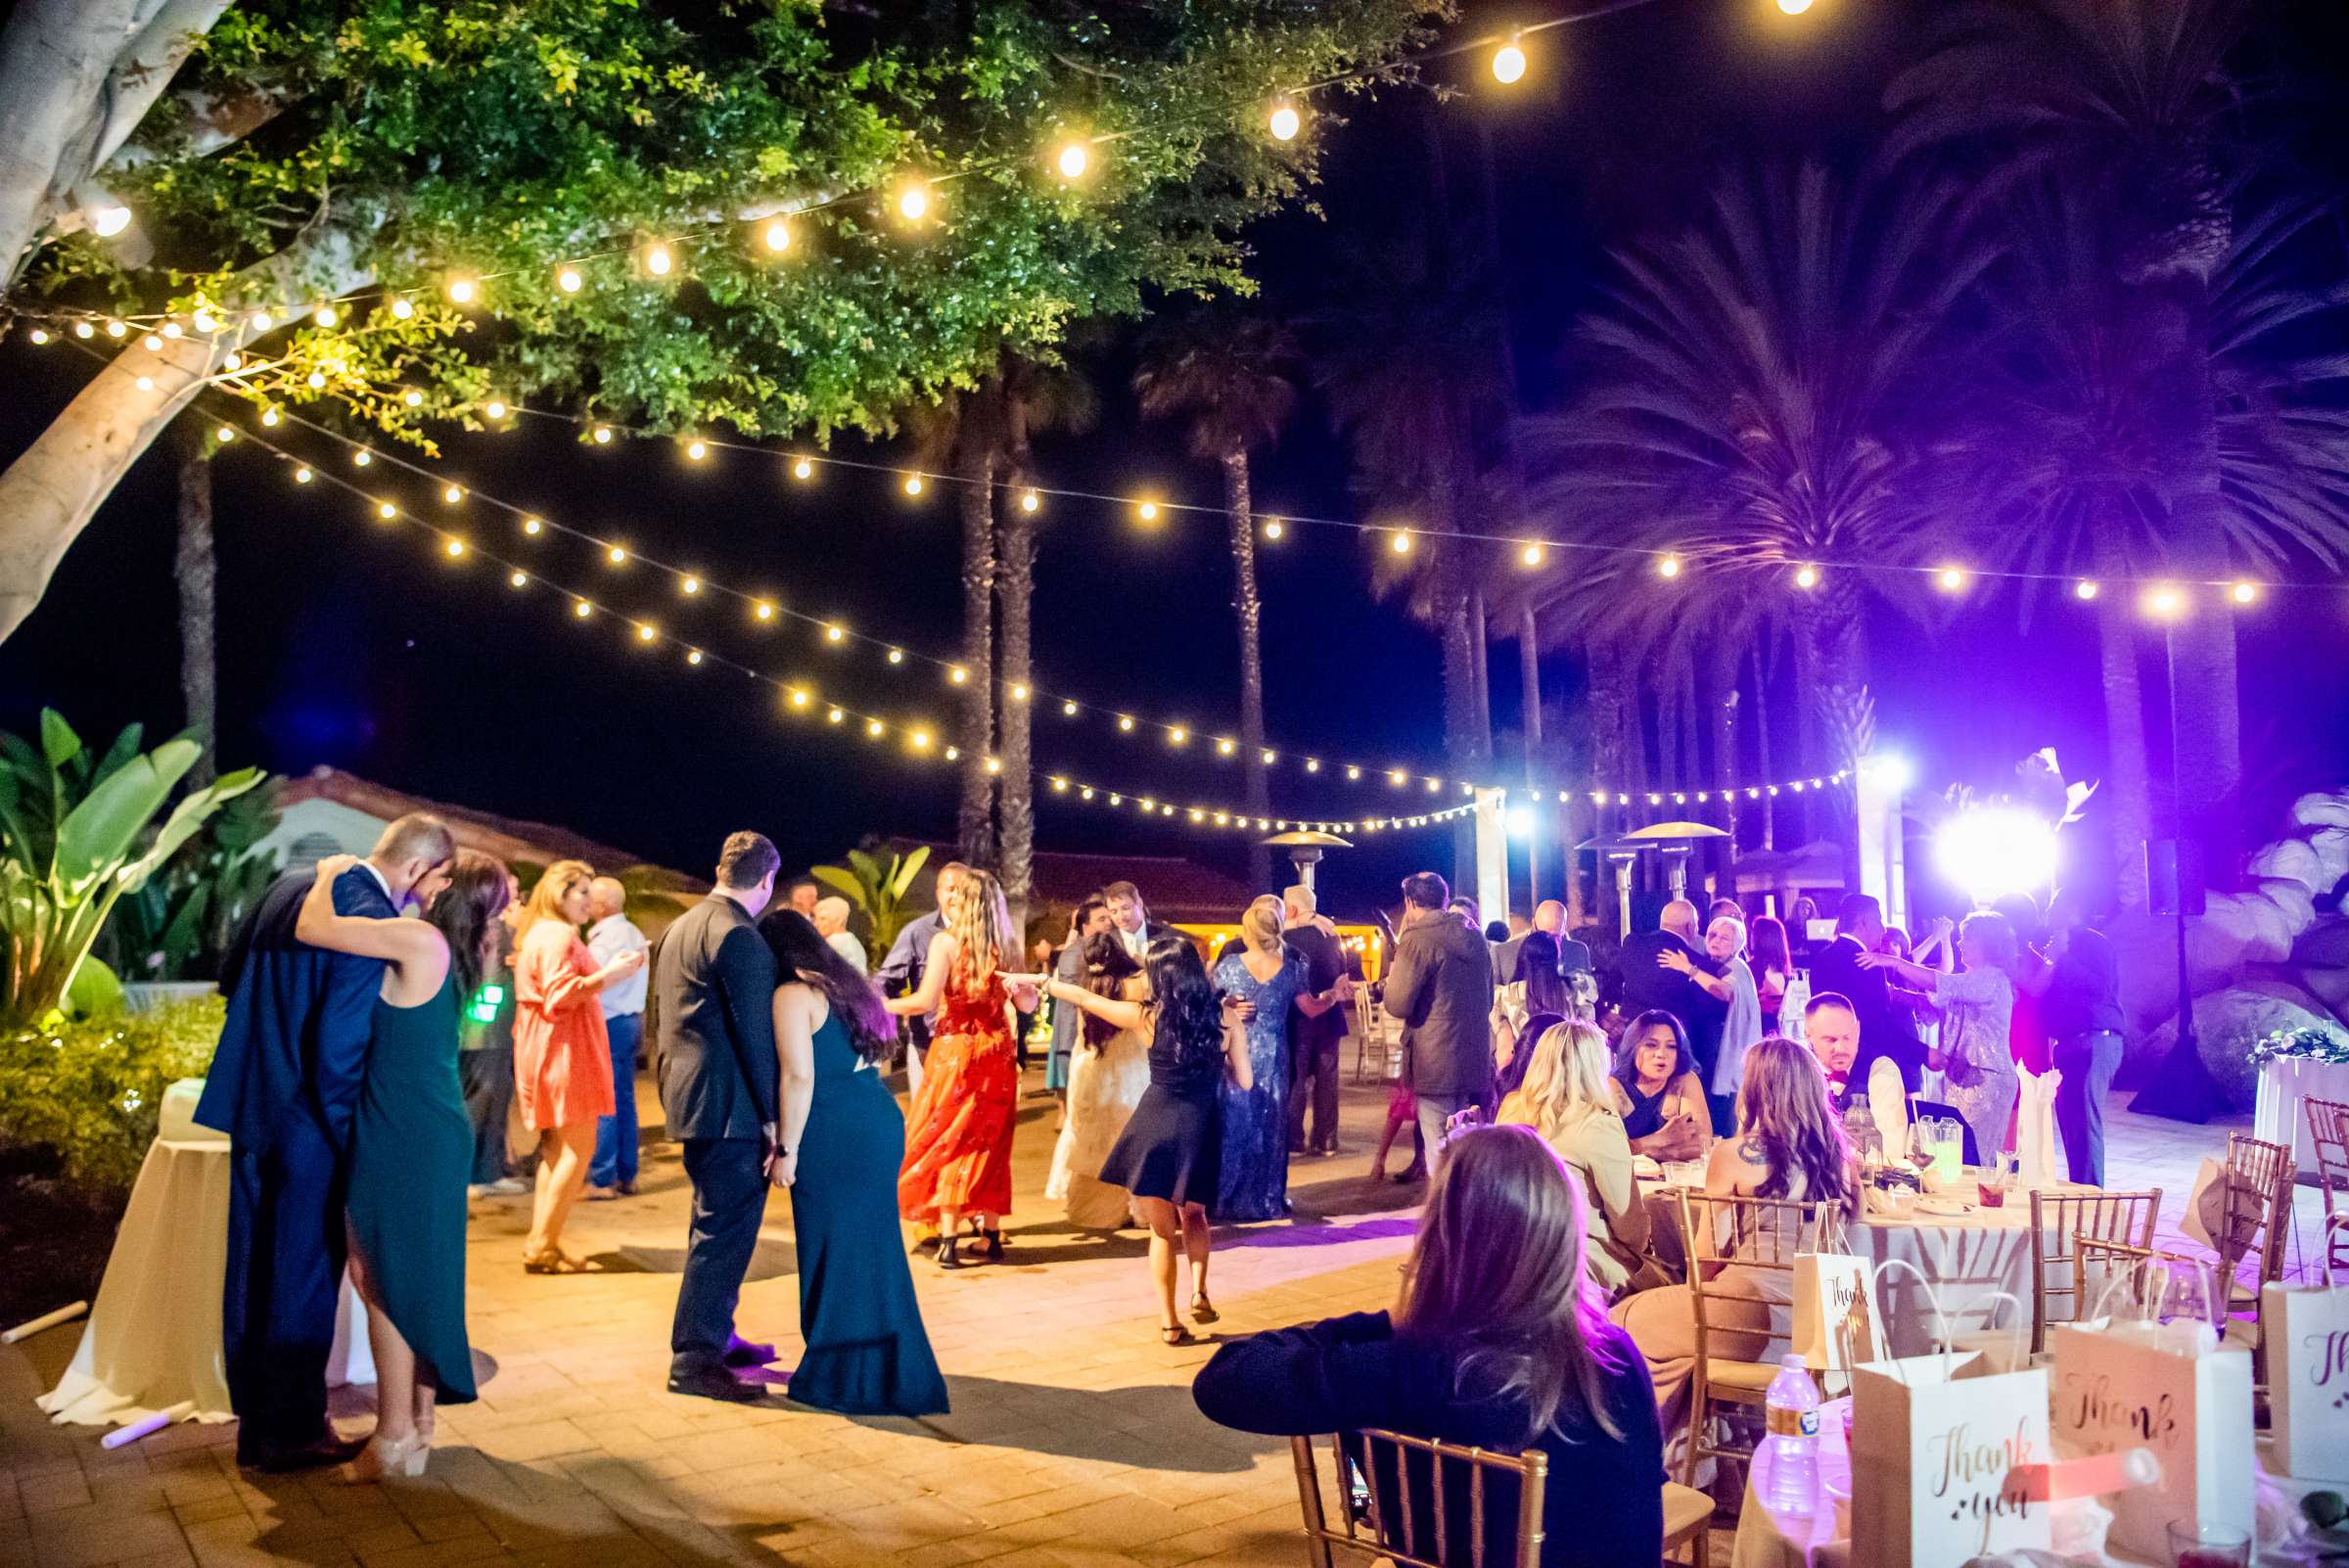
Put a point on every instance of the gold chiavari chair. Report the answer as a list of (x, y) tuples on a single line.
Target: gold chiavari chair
[(2099, 1259), (1757, 1237), (2329, 1133), (2056, 1220)]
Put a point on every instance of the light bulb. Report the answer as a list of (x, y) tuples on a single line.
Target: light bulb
[(455, 547), (414, 399), (1284, 123), (1668, 567), (172, 329), (451, 495), (693, 655), (1794, 8), (1147, 510), (1951, 580), (494, 408), (1532, 555), (913, 485), (325, 316), (1029, 502), (803, 469), (1312, 764), (361, 458), (1401, 543), (316, 379), (657, 259), (616, 555), (690, 584), (39, 334), (82, 329), (957, 675), (225, 434), (1508, 63), (516, 579), (152, 344), (386, 511), (460, 290), (1126, 722), (269, 416), (1073, 159), (531, 525), (1275, 529), (897, 656), (204, 320), (145, 384), (645, 632), (582, 609), (1019, 692), (115, 329), (108, 221), (1068, 710), (778, 236), (1225, 747), (262, 322), (603, 435), (1177, 735), (2244, 592), (1805, 576), (402, 309), (919, 739), (301, 476), (764, 611), (836, 633), (696, 450), (835, 715), (2085, 589), (568, 280), (913, 200)]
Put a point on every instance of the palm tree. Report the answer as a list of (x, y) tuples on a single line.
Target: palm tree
[(197, 572), (962, 434), (1035, 397), (1749, 411), (1406, 367), (2070, 476), (1227, 376), (2130, 99)]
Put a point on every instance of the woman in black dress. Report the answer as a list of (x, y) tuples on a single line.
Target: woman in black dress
[(1169, 1155)]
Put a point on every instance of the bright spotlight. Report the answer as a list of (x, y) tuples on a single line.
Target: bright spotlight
[(1890, 770), (1994, 850), (1521, 821)]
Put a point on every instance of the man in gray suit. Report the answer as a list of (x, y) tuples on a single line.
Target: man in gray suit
[(709, 1013)]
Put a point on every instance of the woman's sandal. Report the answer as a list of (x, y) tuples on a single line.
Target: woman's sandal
[(556, 1262), (991, 1245), (1177, 1334), (949, 1254), (1203, 1311)]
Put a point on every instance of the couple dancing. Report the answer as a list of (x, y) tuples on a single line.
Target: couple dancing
[(770, 1046), (336, 1078)]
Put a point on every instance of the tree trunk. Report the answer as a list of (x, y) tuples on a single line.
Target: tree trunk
[(1239, 511), (1015, 809), (1480, 642), (197, 572), (975, 824), (50, 492), (2127, 793), (1529, 679), (1761, 751), (1722, 692)]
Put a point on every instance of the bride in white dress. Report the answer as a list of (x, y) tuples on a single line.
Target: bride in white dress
[(1107, 1073)]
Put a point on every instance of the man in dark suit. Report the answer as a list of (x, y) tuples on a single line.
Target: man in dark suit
[(1647, 983), (284, 1084), (709, 1013), (1130, 919), (1886, 1028), (1440, 987)]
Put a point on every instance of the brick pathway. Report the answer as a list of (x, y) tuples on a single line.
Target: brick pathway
[(1073, 1442)]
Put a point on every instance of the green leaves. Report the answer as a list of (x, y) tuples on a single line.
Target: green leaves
[(878, 886)]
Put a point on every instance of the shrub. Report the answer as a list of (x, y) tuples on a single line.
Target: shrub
[(89, 1090)]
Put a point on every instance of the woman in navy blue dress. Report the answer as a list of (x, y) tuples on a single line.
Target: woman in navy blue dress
[(1261, 972), (866, 1351)]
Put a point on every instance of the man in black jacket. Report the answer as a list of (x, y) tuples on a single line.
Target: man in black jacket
[(1441, 987), (1886, 1028), (711, 1015), (1648, 984)]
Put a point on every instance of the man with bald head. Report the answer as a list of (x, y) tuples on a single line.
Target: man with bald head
[(612, 1172), (1649, 983)]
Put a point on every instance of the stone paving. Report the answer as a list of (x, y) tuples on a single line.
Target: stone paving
[(1072, 1444)]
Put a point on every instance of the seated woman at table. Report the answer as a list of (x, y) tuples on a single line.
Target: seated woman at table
[(1976, 1053), (411, 1148), (1789, 1144), (1567, 1098), (1657, 1093), (1499, 1341)]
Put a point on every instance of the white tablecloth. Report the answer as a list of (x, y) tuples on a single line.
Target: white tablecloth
[(1969, 1259), (152, 1340), (2284, 1082), (1768, 1539)]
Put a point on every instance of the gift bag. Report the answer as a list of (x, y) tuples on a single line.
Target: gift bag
[(2307, 1377), (1832, 1328), (2205, 1216), (2035, 1128), (2169, 1387), (1934, 1441)]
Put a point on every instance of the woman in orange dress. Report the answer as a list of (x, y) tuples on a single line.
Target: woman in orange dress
[(562, 1056), (959, 1138)]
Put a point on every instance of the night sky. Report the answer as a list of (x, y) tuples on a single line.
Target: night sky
[(349, 644)]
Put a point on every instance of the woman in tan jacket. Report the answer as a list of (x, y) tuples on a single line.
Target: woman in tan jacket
[(1567, 1098)]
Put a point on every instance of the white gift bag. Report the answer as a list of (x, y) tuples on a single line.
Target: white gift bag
[(1833, 1329), (2035, 1126), (2173, 1388), (1934, 1441), (2307, 1377)]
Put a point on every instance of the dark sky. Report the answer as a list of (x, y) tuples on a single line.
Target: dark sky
[(347, 644)]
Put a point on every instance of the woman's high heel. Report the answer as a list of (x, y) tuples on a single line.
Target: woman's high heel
[(950, 1253), (991, 1246), (388, 1456)]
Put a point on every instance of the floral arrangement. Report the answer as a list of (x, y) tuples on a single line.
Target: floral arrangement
[(2308, 1045)]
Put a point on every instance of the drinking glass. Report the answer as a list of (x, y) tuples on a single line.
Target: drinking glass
[(2195, 1545)]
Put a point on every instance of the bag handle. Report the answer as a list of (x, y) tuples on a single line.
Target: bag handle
[(1933, 1296)]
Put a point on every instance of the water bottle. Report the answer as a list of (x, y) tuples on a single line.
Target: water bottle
[(1793, 1442)]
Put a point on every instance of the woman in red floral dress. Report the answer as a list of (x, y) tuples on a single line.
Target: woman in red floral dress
[(958, 1137)]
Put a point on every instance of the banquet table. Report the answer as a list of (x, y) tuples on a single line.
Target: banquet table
[(152, 1340), (1967, 1259), (1768, 1538), (2279, 1115)]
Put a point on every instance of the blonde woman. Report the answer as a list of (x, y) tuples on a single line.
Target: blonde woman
[(958, 1138), (562, 1055), (1569, 1099), (1262, 972)]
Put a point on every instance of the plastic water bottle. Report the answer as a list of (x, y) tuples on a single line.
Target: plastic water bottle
[(1793, 1442)]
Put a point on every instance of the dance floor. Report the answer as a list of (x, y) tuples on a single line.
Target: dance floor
[(1072, 1444)]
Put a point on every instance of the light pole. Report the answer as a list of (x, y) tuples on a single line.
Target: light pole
[(2180, 1088)]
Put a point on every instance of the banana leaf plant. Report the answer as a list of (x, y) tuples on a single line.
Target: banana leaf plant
[(75, 838), (177, 925), (877, 885)]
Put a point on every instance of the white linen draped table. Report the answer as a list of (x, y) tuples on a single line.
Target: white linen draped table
[(1967, 1259), (2284, 1081), (1769, 1539), (152, 1340)]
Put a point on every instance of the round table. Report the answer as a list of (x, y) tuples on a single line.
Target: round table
[(2281, 1117), (152, 1340), (1967, 1259)]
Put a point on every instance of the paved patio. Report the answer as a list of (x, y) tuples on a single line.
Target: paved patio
[(1073, 1442)]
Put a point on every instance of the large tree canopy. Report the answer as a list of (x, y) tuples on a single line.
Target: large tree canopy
[(292, 152)]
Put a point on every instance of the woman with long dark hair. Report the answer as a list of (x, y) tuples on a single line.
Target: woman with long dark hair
[(866, 1351), (411, 1148), (1657, 1090), (1169, 1155), (1789, 1144), (1772, 966), (1499, 1340)]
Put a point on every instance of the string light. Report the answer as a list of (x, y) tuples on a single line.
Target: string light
[(145, 384), (301, 476), (531, 525), (361, 458), (1073, 160), (913, 200), (386, 511), (461, 290), (117, 329), (2244, 592), (602, 435), (1401, 543), (778, 236), (958, 675), (691, 585), (82, 329), (1950, 578), (1668, 567), (1274, 529), (803, 469), (616, 555), (518, 580), (451, 495), (1068, 710), (696, 450), (1284, 123), (40, 335), (2084, 589), (693, 655), (1126, 722), (455, 546), (401, 311), (1147, 510), (152, 344), (836, 633), (1532, 555), (414, 399), (325, 316), (225, 434), (657, 259), (1805, 576), (913, 485), (1508, 62), (897, 656), (1030, 501), (108, 221), (494, 408), (568, 280)]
